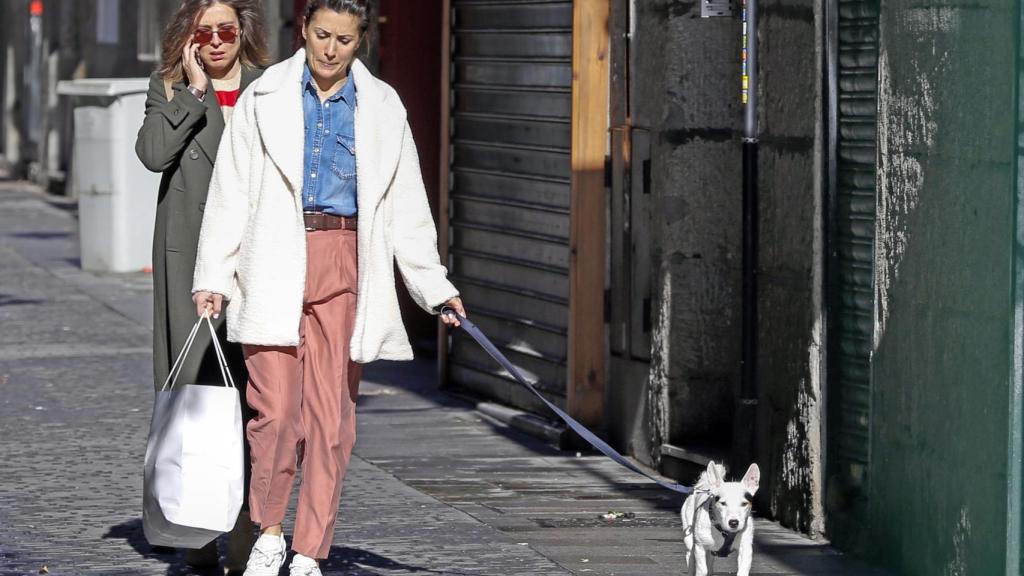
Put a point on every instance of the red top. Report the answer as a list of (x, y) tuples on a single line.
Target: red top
[(227, 97)]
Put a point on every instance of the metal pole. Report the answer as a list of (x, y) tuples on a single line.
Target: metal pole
[(746, 409), (750, 72)]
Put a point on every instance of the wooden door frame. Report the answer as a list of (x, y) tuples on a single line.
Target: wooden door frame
[(585, 392), (443, 216)]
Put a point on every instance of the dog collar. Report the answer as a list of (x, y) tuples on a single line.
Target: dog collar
[(728, 538)]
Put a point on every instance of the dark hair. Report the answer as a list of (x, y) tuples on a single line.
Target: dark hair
[(253, 38), (358, 8)]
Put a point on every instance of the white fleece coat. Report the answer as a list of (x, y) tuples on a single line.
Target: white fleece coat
[(252, 248)]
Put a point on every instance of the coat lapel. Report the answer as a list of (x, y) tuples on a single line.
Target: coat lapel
[(380, 124), (279, 116), (248, 75), (209, 137)]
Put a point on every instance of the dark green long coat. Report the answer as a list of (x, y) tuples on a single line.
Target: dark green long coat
[(180, 138)]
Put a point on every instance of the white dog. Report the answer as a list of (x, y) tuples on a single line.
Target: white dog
[(716, 516)]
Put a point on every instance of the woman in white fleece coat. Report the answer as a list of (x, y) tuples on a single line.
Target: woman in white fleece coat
[(316, 194), (251, 249)]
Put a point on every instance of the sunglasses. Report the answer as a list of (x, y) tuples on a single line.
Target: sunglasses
[(227, 35)]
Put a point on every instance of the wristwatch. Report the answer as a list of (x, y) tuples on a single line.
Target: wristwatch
[(199, 94)]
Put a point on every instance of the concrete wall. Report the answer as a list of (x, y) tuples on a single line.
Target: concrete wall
[(791, 262), (686, 92), (686, 89)]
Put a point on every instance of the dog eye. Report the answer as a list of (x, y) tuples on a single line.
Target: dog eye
[(745, 504)]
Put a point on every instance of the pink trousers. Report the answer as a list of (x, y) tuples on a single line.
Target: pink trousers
[(304, 398)]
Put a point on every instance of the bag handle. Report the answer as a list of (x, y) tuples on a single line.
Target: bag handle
[(225, 372), (172, 376), (179, 364)]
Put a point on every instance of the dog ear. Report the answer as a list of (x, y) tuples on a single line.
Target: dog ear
[(752, 479), (715, 475)]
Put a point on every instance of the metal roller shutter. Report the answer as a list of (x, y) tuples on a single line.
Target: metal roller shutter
[(852, 297), (511, 88)]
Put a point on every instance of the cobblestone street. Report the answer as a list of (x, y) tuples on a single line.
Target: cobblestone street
[(435, 487)]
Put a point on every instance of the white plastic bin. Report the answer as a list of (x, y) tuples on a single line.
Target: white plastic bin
[(116, 194)]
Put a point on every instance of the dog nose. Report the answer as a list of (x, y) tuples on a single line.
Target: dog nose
[(734, 523)]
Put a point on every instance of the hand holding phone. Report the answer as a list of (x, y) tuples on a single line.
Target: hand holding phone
[(193, 65)]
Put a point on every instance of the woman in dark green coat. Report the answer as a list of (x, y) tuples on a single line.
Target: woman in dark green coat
[(213, 49)]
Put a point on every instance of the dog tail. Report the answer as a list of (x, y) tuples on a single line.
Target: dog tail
[(704, 483)]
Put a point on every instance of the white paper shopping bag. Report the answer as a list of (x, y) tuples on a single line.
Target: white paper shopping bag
[(193, 477)]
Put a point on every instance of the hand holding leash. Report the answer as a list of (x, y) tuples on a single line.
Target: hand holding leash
[(452, 312)]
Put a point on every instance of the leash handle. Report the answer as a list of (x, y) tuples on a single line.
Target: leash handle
[(580, 429)]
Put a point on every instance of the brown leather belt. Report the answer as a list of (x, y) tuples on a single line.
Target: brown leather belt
[(321, 221)]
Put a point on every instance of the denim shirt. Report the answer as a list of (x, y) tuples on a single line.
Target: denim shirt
[(329, 161)]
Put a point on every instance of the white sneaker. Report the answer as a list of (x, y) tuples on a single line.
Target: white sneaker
[(267, 556), (304, 566)]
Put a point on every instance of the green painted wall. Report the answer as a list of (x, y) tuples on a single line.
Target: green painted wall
[(942, 365)]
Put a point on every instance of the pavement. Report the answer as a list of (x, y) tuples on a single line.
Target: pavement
[(435, 486)]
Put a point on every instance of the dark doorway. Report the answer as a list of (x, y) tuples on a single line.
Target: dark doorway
[(409, 56)]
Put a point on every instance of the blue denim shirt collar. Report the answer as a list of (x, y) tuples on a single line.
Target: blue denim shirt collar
[(347, 94)]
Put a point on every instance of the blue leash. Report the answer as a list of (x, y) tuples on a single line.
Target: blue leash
[(580, 429)]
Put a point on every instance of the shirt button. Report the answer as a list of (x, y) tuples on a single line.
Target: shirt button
[(316, 150), (328, 105), (314, 174), (319, 124)]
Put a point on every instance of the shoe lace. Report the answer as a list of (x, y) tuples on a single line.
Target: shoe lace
[(263, 557)]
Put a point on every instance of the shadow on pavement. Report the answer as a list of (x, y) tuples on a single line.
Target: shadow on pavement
[(131, 532), (407, 376), (399, 375), (6, 300), (358, 562), (41, 235), (342, 559)]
